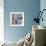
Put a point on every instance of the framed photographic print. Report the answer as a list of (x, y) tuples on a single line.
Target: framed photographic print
[(16, 18)]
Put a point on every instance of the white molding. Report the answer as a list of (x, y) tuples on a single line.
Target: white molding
[(1, 20)]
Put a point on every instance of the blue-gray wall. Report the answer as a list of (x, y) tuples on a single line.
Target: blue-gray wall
[(29, 7), (43, 6)]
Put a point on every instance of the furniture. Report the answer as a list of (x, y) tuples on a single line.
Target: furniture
[(39, 35)]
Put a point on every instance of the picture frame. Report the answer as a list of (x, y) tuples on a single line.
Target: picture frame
[(16, 18)]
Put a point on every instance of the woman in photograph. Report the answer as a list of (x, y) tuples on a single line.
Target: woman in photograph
[(19, 21), (14, 21)]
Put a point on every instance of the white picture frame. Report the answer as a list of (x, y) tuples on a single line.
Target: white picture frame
[(16, 18)]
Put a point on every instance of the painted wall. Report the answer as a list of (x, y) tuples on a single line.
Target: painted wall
[(29, 7), (43, 6)]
